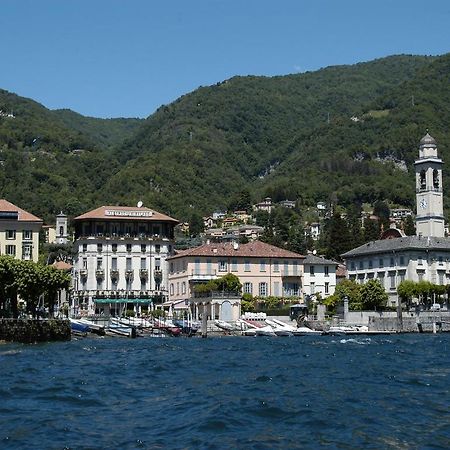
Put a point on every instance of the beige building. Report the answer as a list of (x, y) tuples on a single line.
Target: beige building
[(19, 232), (264, 270)]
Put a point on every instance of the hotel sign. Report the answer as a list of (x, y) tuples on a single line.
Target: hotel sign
[(121, 213)]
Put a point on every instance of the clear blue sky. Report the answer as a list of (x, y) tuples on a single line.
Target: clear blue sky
[(124, 58)]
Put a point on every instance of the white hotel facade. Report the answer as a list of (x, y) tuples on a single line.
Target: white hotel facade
[(120, 259)]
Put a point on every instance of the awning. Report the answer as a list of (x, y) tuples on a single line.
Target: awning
[(141, 301)]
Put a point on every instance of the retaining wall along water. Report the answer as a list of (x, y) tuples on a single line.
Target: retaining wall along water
[(34, 330)]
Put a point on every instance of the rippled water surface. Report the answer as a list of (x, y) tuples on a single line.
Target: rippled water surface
[(249, 393)]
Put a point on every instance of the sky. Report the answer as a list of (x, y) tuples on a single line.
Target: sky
[(125, 58)]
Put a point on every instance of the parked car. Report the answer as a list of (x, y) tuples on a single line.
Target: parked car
[(435, 307)]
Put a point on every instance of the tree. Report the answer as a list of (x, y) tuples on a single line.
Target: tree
[(8, 286), (371, 230), (336, 238), (406, 290), (372, 295), (196, 225), (382, 211), (409, 227), (347, 288)]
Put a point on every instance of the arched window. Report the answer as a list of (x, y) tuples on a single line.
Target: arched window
[(61, 231), (435, 179)]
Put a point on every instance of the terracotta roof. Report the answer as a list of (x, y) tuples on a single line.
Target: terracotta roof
[(24, 216), (256, 249), (61, 265), (120, 213)]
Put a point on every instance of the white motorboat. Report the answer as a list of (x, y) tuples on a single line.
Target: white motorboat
[(343, 329), (305, 331), (117, 327), (226, 326), (279, 330), (265, 331)]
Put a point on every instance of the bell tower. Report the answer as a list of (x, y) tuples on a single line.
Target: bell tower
[(429, 197)]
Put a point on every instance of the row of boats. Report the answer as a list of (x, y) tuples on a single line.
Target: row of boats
[(134, 327), (262, 326)]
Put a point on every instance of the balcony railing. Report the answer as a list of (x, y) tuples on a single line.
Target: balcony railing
[(114, 273), (83, 273), (99, 273), (129, 273), (143, 273), (157, 273)]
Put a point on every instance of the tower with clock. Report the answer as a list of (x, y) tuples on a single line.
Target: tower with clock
[(429, 197)]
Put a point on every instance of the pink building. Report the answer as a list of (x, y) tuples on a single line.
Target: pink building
[(264, 270)]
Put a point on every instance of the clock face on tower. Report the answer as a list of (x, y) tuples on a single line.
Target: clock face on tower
[(423, 203)]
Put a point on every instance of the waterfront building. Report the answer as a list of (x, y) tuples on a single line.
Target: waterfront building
[(264, 270), (121, 254), (265, 205), (425, 256), (319, 276), (19, 232)]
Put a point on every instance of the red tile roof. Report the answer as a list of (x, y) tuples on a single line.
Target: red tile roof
[(125, 213), (62, 265), (256, 249), (24, 216)]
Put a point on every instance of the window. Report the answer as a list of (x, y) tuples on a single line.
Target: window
[(84, 248), (61, 231), (197, 267), (311, 270), (85, 263), (27, 235), (419, 260), (381, 262), (370, 264), (143, 263), (157, 264), (312, 288), (327, 271), (114, 284), (352, 265), (392, 261), (263, 289), (402, 260), (401, 276), (247, 266), (129, 262), (157, 248), (171, 289), (209, 267), (248, 288), (114, 248), (128, 248), (27, 251), (143, 248), (441, 277), (222, 266), (276, 266), (143, 284), (441, 260), (327, 287), (234, 265), (295, 268), (10, 234), (361, 265), (99, 263), (171, 267), (286, 268), (420, 275), (178, 288), (262, 265), (392, 280), (99, 284), (99, 248), (114, 263), (183, 287)]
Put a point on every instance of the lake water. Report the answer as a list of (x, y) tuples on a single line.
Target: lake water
[(231, 392)]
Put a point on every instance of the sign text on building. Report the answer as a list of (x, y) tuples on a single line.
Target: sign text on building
[(117, 212)]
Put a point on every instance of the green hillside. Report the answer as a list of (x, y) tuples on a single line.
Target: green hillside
[(215, 141), (287, 137)]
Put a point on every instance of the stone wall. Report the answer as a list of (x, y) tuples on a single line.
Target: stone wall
[(32, 330)]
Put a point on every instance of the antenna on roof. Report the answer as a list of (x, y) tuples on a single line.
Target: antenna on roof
[(139, 204)]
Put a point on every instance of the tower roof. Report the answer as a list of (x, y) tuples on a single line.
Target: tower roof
[(427, 141)]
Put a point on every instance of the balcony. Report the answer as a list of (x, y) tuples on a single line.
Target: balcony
[(129, 273), (143, 273), (99, 273), (157, 273), (83, 273), (202, 276), (114, 273)]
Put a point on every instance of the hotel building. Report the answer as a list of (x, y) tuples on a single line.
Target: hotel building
[(264, 270), (120, 259), (19, 232)]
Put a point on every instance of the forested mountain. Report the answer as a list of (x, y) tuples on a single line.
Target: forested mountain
[(288, 137)]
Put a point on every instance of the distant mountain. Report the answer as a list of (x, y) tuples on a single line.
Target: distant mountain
[(345, 132)]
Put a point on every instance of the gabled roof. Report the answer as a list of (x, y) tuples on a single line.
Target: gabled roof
[(256, 249), (125, 213), (318, 260), (23, 216), (400, 244)]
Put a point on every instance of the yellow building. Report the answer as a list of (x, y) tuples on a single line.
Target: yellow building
[(19, 232)]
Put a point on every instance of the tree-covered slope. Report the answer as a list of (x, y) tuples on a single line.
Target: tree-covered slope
[(217, 140), (105, 132)]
